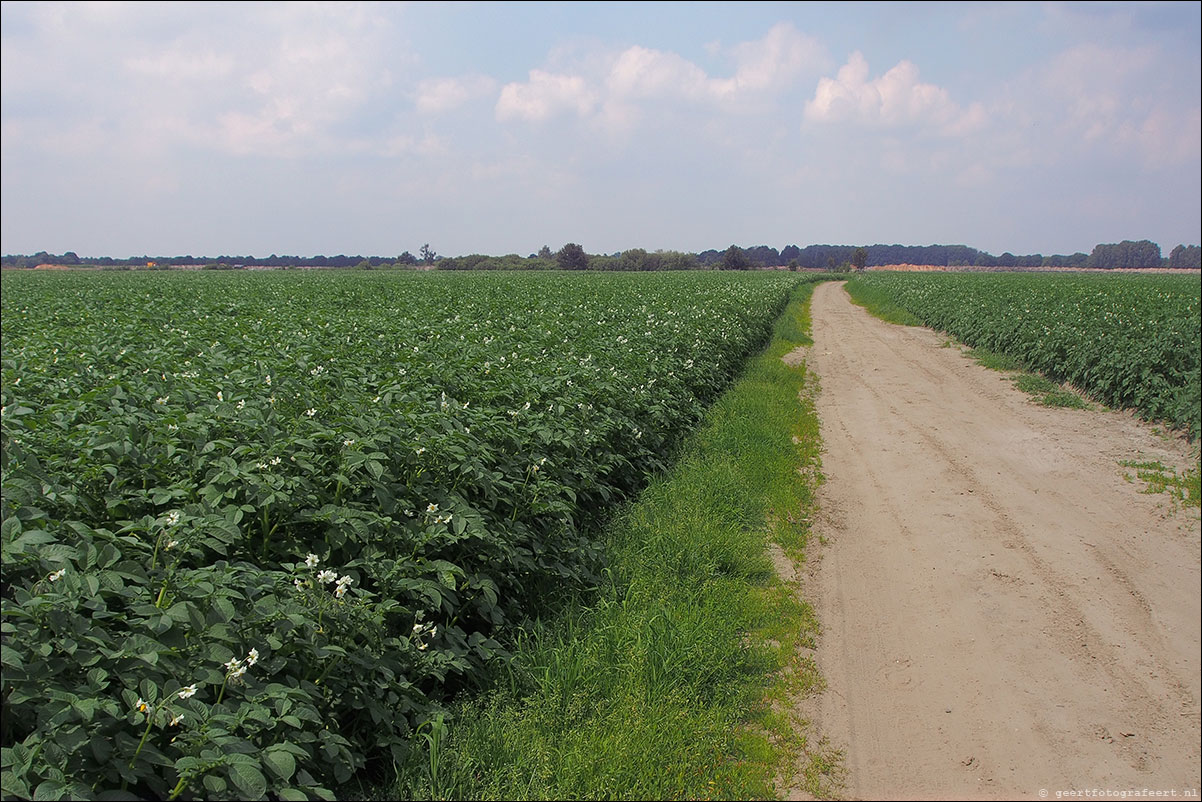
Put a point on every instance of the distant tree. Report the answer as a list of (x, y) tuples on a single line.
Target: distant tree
[(762, 256), (473, 261), (639, 259), (406, 258), (632, 259), (545, 253), (536, 262), (860, 258), (1186, 256), (678, 260), (510, 261), (1127, 253), (602, 261), (428, 256), (1059, 260), (572, 257), (961, 255), (790, 253), (1144, 253), (794, 265), (735, 259)]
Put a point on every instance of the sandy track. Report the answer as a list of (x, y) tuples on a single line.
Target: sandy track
[(1002, 611)]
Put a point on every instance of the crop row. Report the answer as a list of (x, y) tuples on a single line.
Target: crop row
[(257, 527), (1129, 341)]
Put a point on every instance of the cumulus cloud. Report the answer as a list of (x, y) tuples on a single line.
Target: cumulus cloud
[(439, 95), (639, 75), (776, 60), (315, 72), (426, 146), (1094, 82), (265, 79), (895, 98), (545, 95), (179, 63), (762, 66), (1120, 97)]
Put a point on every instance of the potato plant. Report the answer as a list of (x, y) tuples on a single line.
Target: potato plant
[(258, 527)]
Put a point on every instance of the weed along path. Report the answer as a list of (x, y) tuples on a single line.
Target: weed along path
[(1003, 613)]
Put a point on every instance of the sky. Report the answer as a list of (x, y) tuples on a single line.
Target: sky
[(373, 129)]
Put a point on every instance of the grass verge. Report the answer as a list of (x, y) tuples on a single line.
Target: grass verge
[(1185, 487), (995, 361), (880, 304), (672, 681), (1041, 388), (1048, 393)]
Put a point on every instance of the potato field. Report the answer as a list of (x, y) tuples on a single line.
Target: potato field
[(256, 526)]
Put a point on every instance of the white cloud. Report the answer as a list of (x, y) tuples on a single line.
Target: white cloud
[(763, 66), (315, 72), (1119, 98), (1166, 136), (896, 98), (271, 79), (775, 61), (180, 63), (402, 123), (75, 138), (1092, 82), (612, 88), (427, 146), (639, 73), (545, 95), (439, 95)]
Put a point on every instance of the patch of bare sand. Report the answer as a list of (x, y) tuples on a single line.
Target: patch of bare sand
[(1002, 611)]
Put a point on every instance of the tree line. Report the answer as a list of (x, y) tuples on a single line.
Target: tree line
[(71, 259), (572, 256)]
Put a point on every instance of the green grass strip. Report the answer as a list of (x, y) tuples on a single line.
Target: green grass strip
[(880, 303), (1044, 390), (1185, 487), (995, 361), (1047, 392), (672, 681)]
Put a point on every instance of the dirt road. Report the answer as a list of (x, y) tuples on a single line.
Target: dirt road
[(1003, 613)]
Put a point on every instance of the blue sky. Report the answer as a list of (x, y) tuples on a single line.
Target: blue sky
[(243, 128)]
